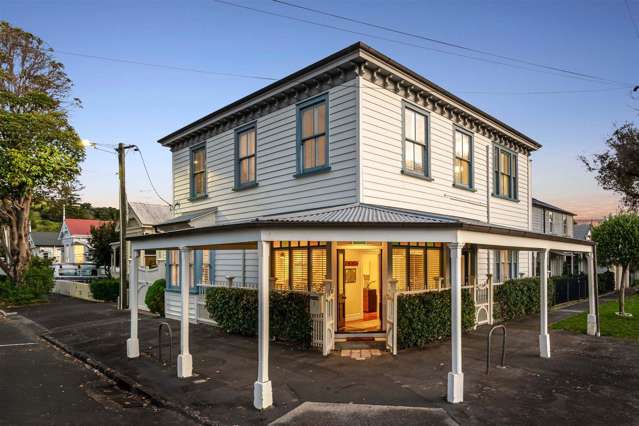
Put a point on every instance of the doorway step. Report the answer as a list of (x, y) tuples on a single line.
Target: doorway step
[(360, 342)]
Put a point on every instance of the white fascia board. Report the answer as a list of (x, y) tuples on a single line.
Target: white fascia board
[(359, 233), (490, 240), (194, 239)]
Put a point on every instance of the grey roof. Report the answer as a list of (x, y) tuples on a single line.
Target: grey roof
[(581, 230), (537, 202), (45, 239), (187, 217), (150, 214), (359, 213)]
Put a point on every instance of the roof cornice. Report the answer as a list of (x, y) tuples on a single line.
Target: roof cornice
[(337, 69)]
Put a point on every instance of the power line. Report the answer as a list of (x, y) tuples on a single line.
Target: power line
[(170, 67), (248, 76), (446, 52), (137, 148), (445, 43), (632, 18)]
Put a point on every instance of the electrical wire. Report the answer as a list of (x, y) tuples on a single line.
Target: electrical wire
[(445, 43), (137, 148), (475, 58), (169, 67), (632, 18)]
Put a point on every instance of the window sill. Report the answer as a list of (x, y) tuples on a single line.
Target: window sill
[(501, 197), (199, 198), (416, 175), (245, 186), (311, 172), (465, 188)]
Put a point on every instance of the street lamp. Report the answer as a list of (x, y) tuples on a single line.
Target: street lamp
[(121, 150)]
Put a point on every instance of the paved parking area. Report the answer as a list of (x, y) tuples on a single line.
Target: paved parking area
[(587, 381)]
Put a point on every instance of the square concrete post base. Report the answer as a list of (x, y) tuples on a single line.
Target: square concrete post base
[(262, 395), (184, 366), (455, 387), (544, 345), (132, 347), (592, 324)]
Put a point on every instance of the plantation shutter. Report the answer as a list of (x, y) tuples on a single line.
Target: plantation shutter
[(434, 268), (416, 266), (318, 268), (282, 269), (299, 270), (399, 267), (205, 268)]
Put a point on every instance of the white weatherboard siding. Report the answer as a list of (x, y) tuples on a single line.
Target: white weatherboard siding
[(241, 264), (277, 190), (538, 220), (381, 164)]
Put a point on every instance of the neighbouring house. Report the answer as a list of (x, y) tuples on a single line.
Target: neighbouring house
[(357, 179), (142, 219), (75, 235), (553, 220), (46, 245)]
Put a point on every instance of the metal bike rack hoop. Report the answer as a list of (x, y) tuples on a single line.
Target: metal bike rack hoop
[(503, 346)]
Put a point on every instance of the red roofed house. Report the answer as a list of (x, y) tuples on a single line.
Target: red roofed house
[(75, 234)]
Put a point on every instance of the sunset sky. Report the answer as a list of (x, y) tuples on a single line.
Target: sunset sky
[(129, 102)]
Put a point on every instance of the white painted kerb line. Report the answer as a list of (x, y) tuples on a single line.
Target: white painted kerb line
[(18, 344)]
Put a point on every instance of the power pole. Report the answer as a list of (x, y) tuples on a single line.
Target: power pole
[(121, 150)]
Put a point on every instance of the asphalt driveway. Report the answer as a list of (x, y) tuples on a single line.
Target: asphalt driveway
[(588, 380)]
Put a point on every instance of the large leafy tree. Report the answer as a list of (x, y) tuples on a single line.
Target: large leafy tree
[(40, 152), (617, 168), (100, 242), (617, 241)]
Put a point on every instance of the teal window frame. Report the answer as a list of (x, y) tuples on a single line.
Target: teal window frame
[(310, 103), (238, 132), (513, 265), (175, 287), (425, 147), (192, 172), (498, 191), (470, 160)]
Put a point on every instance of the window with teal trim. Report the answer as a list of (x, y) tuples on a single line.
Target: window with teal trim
[(506, 265), (198, 172), (505, 173), (415, 141), (312, 135), (174, 271)]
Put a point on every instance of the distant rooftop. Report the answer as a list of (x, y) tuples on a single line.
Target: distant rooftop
[(151, 214), (45, 239), (537, 202)]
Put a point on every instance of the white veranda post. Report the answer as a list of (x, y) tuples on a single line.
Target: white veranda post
[(592, 294), (456, 376), (184, 359), (544, 337), (133, 343), (262, 390)]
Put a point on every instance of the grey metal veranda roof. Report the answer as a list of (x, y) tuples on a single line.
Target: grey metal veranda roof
[(352, 215), (360, 213)]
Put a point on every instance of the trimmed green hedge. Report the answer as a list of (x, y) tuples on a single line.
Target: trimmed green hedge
[(425, 317), (107, 289), (154, 298), (235, 310), (520, 297)]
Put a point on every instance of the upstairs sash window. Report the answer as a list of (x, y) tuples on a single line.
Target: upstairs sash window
[(198, 172), (463, 162), (313, 135), (505, 179), (246, 148), (415, 142)]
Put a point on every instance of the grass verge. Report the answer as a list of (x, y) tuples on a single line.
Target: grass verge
[(611, 324)]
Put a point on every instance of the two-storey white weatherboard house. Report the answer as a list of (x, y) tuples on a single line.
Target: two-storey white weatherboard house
[(356, 178)]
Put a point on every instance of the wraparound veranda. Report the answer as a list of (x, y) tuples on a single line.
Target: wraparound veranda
[(357, 270)]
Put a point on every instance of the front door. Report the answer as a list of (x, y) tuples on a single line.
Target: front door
[(359, 288)]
